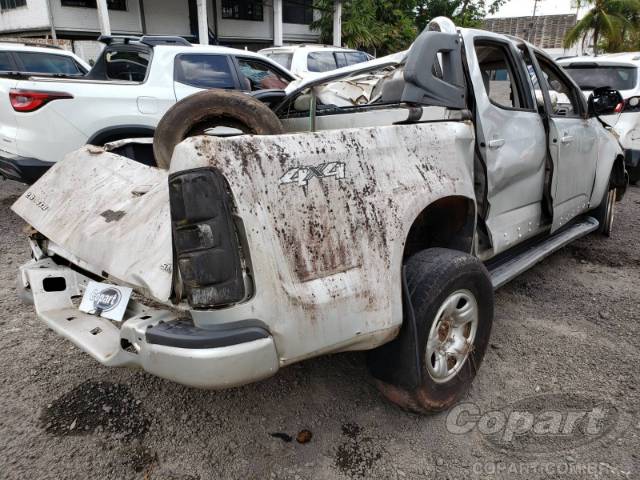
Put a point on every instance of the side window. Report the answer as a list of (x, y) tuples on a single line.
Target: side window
[(258, 75), (80, 68), (48, 63), (127, 65), (565, 101), (344, 59), (283, 59), (341, 59), (498, 75), (534, 84), (204, 71), (321, 62), (6, 64), (356, 57)]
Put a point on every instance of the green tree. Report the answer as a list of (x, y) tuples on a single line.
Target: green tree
[(464, 13), (629, 38), (378, 26), (608, 22)]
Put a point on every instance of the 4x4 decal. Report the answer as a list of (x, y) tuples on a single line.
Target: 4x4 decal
[(302, 175)]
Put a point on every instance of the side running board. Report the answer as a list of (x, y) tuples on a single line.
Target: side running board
[(505, 272)]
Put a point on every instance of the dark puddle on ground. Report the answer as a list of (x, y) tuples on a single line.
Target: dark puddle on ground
[(10, 200), (96, 407), (357, 454), (108, 409)]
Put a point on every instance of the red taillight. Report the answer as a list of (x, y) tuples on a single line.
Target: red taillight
[(30, 100), (619, 108)]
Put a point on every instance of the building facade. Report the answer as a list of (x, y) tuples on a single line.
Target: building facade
[(238, 23), (544, 31)]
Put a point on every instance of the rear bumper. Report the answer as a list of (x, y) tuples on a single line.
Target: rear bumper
[(157, 341), (22, 169)]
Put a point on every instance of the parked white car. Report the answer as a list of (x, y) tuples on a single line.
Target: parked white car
[(131, 86), (310, 60), (620, 71)]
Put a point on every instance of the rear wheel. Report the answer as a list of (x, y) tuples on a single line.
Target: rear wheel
[(452, 300), (201, 111)]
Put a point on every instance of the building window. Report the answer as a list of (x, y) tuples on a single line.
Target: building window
[(10, 4), (111, 4), (242, 10), (297, 11)]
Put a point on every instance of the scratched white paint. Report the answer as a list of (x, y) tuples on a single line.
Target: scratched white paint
[(325, 257), (68, 203)]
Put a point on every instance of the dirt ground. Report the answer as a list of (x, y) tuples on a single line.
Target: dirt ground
[(565, 331)]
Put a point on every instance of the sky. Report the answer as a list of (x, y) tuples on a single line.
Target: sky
[(521, 8)]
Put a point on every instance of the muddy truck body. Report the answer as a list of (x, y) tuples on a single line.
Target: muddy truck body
[(376, 208)]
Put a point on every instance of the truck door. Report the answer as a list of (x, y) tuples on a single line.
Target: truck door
[(511, 138), (194, 72), (572, 143)]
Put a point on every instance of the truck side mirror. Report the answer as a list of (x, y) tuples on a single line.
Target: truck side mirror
[(433, 73), (605, 101)]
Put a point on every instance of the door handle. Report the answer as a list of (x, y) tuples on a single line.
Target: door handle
[(496, 143), (567, 139)]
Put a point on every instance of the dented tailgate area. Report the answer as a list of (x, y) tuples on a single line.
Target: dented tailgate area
[(313, 218)]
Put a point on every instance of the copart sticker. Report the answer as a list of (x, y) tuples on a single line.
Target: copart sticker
[(105, 300), (302, 175)]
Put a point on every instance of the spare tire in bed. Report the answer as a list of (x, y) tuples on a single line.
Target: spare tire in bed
[(208, 109)]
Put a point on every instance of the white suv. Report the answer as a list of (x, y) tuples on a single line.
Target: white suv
[(307, 60), (620, 71), (133, 83)]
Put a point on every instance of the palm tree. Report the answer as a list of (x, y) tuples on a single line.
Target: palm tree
[(607, 19)]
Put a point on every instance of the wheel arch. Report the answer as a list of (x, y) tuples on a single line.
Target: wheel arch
[(448, 222), (610, 172), (119, 132), (619, 176)]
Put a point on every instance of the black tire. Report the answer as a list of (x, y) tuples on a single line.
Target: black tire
[(433, 276), (196, 113), (605, 212)]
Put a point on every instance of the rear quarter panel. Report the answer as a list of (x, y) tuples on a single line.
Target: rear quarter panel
[(326, 254)]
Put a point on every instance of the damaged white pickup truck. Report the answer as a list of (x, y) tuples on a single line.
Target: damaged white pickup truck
[(376, 208)]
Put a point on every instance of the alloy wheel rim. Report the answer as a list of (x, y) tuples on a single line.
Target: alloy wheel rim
[(452, 336), (611, 209)]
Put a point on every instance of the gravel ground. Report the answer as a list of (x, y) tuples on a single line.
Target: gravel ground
[(565, 335)]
